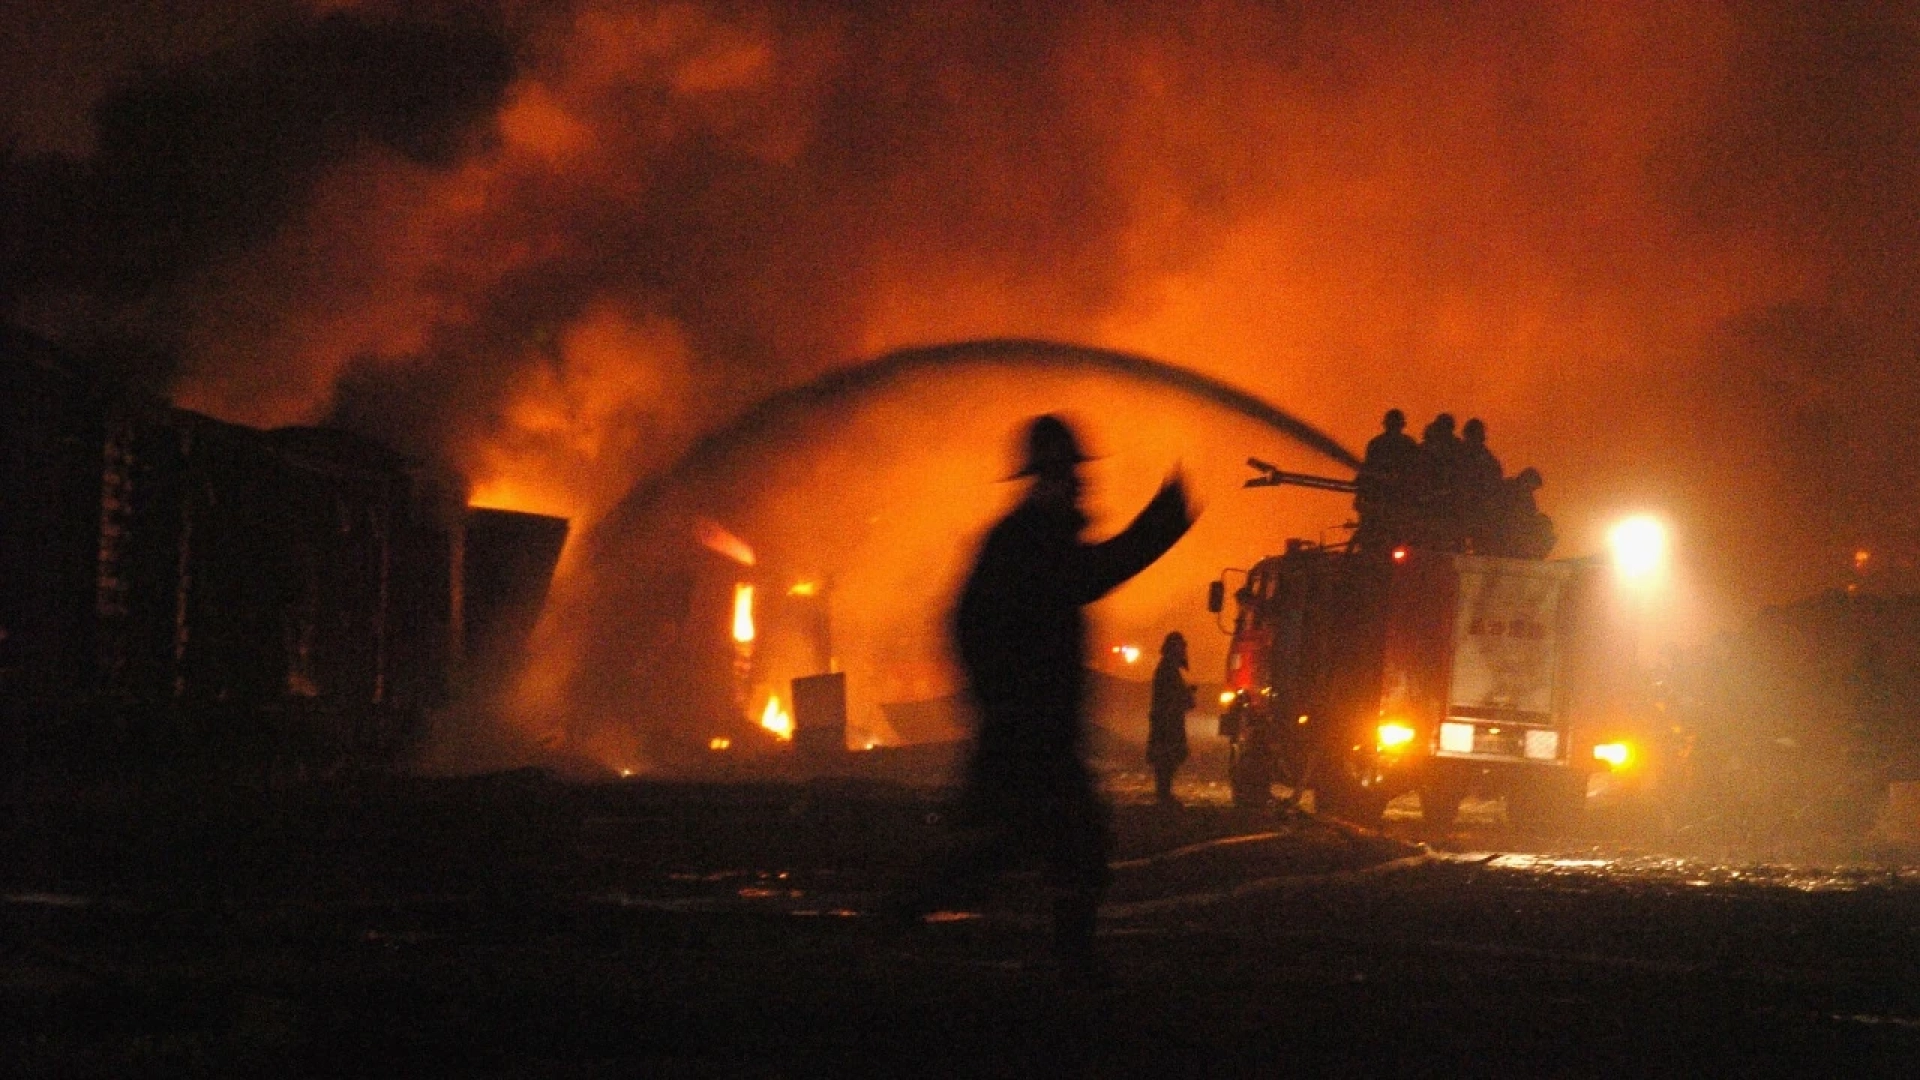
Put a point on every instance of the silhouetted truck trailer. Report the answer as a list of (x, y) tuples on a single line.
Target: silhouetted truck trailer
[(1362, 675), (174, 585)]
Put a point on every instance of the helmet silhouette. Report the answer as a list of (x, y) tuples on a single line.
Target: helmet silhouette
[(1050, 445)]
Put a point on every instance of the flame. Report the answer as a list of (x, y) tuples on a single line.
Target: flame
[(743, 613), (776, 719)]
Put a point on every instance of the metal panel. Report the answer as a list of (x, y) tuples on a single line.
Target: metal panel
[(1505, 639)]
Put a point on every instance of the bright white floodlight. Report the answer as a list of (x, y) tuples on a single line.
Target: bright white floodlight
[(1639, 547)]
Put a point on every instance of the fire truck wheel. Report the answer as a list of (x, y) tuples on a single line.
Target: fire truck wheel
[(1349, 800), (1440, 805), (1547, 805), (1251, 776)]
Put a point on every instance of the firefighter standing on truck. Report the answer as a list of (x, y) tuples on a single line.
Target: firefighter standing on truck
[(1021, 639), (1384, 490)]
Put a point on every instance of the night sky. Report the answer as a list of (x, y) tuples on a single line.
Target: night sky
[(1666, 250)]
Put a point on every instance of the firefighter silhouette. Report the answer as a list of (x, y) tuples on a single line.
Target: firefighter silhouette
[(1021, 637), (1167, 716), (1446, 492), (1479, 484), (1437, 490), (1520, 530), (1384, 490)]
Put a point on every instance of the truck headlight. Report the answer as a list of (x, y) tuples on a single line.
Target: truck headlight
[(1541, 745), (1456, 738)]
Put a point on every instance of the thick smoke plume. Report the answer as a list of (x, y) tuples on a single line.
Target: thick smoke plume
[(1667, 251)]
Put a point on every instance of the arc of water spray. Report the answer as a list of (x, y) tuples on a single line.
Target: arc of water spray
[(1024, 353)]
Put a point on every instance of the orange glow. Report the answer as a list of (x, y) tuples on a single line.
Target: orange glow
[(506, 494), (743, 613), (719, 742), (776, 719), (640, 250), (715, 538), (539, 124)]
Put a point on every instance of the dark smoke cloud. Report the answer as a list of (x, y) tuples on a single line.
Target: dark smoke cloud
[(199, 161), (911, 147)]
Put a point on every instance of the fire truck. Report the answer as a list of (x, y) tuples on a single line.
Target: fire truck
[(1359, 675)]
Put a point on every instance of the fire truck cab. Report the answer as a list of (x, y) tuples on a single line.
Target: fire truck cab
[(1362, 675)]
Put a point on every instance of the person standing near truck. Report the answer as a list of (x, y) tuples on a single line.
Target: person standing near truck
[(1167, 717)]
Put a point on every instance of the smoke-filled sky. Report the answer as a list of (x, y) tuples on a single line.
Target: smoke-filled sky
[(1667, 250)]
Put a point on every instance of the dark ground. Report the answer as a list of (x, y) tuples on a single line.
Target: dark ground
[(514, 925)]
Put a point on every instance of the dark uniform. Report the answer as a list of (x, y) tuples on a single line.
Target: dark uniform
[(1167, 715), (1384, 490), (1441, 524), (1480, 485), (1521, 530), (1021, 637)]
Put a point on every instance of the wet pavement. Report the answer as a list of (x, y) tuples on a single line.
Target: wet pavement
[(515, 925)]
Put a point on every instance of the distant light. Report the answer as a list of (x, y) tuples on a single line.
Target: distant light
[(626, 772), (1227, 696), (1616, 754), (804, 588), (1639, 547), (1860, 560), (1399, 554), (1127, 653), (719, 742)]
